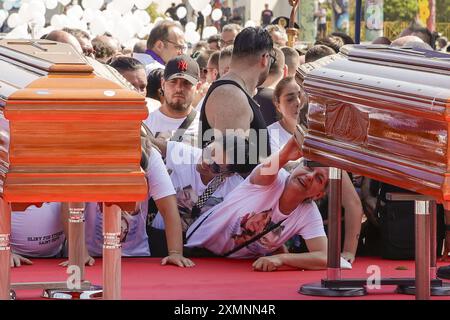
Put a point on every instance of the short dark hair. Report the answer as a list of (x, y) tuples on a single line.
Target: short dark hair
[(318, 51), (333, 42), (417, 30), (160, 32), (123, 63), (238, 148), (251, 41), (226, 52), (103, 48), (154, 83), (382, 40), (213, 38), (214, 59), (232, 27), (345, 37), (277, 67), (291, 57), (77, 33), (202, 57)]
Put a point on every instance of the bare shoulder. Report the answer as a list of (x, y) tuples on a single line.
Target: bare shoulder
[(225, 97), (228, 108)]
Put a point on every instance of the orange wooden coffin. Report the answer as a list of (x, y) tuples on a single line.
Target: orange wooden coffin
[(74, 127), (383, 113)]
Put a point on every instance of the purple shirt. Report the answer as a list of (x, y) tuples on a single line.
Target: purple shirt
[(155, 56)]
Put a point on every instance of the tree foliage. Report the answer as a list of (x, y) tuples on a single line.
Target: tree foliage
[(443, 11), (400, 10)]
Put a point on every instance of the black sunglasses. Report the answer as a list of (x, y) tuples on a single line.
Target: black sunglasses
[(273, 59), (217, 169)]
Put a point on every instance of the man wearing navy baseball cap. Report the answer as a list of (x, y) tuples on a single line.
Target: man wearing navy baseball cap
[(176, 119)]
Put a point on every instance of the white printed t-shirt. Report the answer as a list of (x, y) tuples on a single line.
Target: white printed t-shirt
[(133, 236), (235, 220), (148, 61), (158, 122), (278, 136), (37, 232), (181, 161)]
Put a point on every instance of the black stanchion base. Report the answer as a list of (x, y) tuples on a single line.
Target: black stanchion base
[(317, 289), (443, 290), (12, 294), (94, 292)]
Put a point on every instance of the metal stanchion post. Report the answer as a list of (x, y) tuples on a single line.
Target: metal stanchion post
[(422, 212), (334, 247)]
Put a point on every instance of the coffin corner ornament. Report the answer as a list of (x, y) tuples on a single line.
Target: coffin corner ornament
[(380, 112)]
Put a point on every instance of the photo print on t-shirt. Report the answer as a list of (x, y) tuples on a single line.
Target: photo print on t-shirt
[(126, 218), (186, 199), (253, 224)]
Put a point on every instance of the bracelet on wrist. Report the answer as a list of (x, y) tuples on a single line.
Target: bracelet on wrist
[(174, 252)]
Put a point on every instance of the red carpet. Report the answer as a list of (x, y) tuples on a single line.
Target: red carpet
[(213, 279)]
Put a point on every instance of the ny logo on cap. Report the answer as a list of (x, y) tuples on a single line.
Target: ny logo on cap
[(182, 65)]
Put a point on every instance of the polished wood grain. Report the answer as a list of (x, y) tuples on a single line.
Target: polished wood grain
[(112, 253), (381, 113), (76, 237), (73, 136), (5, 251)]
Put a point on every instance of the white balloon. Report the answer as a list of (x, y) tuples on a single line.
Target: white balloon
[(250, 23), (123, 31), (19, 32), (135, 24), (216, 14), (198, 5), (14, 20), (181, 12), (25, 12), (3, 16), (192, 37), (142, 4), (143, 16), (190, 26), (37, 7), (75, 12), (51, 4), (64, 2), (207, 10), (92, 4), (90, 15), (145, 31), (122, 6), (98, 26), (59, 21), (17, 3), (209, 31), (129, 44), (8, 5)]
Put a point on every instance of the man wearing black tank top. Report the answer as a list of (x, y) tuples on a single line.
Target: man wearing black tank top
[(228, 105)]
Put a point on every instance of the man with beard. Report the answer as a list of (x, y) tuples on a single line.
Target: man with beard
[(176, 119), (229, 105)]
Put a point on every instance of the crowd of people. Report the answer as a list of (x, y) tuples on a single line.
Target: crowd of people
[(224, 170)]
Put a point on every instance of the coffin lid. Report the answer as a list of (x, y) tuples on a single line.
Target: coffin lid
[(48, 70), (398, 73)]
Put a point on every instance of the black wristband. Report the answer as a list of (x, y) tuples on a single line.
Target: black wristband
[(447, 227)]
